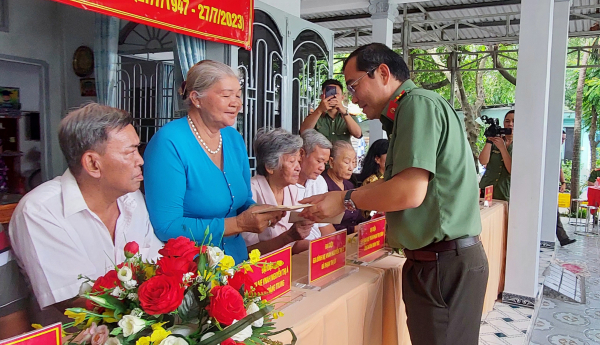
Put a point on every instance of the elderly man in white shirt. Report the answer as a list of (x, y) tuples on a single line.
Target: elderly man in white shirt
[(79, 223), (314, 154)]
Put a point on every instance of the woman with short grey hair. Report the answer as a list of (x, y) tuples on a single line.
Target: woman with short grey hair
[(278, 167), (197, 172)]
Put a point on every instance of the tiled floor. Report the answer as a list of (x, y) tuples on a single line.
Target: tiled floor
[(508, 324), (562, 322)]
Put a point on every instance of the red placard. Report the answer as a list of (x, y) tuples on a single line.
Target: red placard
[(327, 255), (489, 193), (50, 335), (371, 236), (220, 21), (276, 280)]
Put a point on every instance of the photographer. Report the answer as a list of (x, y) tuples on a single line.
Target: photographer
[(331, 118), (497, 157)]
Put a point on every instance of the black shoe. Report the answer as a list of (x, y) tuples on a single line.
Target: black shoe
[(567, 242)]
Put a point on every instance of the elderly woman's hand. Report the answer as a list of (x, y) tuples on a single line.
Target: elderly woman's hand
[(248, 221), (301, 230)]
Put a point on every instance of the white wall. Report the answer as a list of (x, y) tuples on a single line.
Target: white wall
[(77, 30), (37, 30)]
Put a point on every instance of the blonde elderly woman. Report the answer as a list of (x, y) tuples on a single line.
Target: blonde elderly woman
[(341, 165), (197, 172), (278, 169)]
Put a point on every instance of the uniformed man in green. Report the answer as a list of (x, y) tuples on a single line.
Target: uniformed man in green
[(331, 118), (593, 176), (429, 194)]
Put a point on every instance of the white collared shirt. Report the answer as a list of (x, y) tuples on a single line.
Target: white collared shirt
[(56, 237), (313, 187)]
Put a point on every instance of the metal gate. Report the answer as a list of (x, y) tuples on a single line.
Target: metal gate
[(282, 75)]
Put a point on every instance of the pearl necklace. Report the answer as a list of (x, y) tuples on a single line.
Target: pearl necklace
[(202, 141)]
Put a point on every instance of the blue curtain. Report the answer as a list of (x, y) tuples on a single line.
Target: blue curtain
[(106, 46), (190, 50)]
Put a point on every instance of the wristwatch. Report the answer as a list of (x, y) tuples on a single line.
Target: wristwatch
[(348, 203)]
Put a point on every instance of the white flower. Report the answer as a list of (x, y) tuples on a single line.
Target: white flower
[(125, 274), (137, 312), (206, 336), (187, 278), (243, 334), (215, 255), (171, 340), (132, 296), (116, 292), (85, 288), (112, 341), (130, 284), (199, 279), (184, 330), (253, 308), (131, 325), (224, 280)]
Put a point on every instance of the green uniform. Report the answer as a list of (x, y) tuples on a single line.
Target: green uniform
[(496, 174), (594, 175), (334, 129), (425, 132)]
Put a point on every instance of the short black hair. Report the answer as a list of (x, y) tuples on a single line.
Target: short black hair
[(564, 132), (370, 56), (331, 82)]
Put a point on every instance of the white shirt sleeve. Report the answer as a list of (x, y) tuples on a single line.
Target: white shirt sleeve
[(36, 237)]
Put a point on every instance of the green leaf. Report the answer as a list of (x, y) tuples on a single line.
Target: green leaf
[(116, 331), (189, 308), (234, 329)]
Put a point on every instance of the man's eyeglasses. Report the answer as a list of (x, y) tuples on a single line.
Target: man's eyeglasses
[(352, 87)]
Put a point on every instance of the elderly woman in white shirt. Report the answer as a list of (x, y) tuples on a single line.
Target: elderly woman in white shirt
[(278, 169)]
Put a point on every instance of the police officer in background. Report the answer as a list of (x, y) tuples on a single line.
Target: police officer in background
[(430, 196)]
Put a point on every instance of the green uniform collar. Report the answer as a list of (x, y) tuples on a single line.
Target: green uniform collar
[(388, 115)]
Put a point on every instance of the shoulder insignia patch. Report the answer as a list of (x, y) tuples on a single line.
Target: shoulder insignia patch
[(393, 105)]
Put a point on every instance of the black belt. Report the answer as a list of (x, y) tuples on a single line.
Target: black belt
[(430, 252)]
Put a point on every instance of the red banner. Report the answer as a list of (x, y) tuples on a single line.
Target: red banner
[(220, 21), (50, 335), (327, 255), (371, 236), (489, 193), (276, 280)]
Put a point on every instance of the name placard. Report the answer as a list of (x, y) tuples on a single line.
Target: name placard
[(278, 280), (50, 335), (327, 255), (371, 236), (489, 193)]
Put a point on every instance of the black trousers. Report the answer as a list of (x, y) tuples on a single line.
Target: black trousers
[(560, 230), (444, 298)]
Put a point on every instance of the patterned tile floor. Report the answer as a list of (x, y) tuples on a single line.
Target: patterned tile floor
[(508, 324), (562, 322)]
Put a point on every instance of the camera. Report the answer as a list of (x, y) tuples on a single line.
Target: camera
[(494, 129)]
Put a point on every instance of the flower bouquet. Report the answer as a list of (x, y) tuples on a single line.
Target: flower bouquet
[(193, 295)]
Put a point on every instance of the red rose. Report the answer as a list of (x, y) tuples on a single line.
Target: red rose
[(161, 294), (131, 249), (180, 247), (175, 267), (230, 342), (241, 278), (107, 281), (226, 305)]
